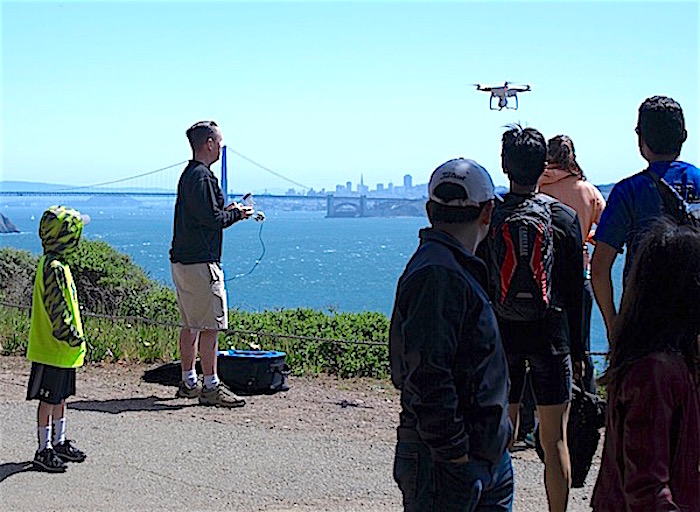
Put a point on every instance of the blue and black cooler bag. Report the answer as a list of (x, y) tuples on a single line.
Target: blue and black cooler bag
[(253, 372)]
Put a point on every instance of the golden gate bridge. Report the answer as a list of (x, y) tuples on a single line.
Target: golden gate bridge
[(162, 182)]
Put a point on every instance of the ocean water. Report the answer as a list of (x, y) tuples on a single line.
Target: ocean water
[(343, 264)]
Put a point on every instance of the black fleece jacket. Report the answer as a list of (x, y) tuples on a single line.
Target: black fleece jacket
[(446, 354), (200, 217)]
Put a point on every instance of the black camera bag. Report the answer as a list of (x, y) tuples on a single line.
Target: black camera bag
[(253, 372)]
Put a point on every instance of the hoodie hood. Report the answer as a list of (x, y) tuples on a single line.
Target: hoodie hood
[(60, 229), (555, 174)]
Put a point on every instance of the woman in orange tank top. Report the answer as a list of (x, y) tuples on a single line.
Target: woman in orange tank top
[(564, 180)]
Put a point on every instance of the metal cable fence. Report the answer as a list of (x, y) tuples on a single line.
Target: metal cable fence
[(158, 323), (239, 332)]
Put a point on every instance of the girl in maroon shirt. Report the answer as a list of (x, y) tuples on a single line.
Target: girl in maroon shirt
[(651, 458)]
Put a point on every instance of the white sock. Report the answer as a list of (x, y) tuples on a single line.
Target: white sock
[(59, 431), (189, 377), (211, 381), (44, 437)]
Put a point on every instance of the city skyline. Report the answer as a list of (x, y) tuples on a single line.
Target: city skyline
[(381, 188), (323, 91)]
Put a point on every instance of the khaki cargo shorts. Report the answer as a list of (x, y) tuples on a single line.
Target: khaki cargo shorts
[(201, 295)]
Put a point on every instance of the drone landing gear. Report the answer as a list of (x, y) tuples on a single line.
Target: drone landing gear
[(502, 103)]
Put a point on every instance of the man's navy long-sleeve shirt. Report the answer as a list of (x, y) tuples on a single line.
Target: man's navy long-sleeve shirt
[(200, 217)]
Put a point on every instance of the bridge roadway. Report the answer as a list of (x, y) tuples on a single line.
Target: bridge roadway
[(336, 206), (20, 193)]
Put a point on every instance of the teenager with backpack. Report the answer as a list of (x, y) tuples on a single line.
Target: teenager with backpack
[(534, 254), (635, 203), (651, 458)]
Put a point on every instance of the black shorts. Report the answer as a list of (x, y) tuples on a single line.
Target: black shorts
[(550, 375), (50, 384)]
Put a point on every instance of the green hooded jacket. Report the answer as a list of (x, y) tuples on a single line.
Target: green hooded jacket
[(56, 333)]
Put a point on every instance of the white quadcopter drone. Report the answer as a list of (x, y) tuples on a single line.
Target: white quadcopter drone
[(503, 92)]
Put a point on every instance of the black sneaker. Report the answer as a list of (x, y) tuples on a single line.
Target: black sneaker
[(47, 460), (69, 453)]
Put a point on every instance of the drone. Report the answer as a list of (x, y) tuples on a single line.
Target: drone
[(503, 92)]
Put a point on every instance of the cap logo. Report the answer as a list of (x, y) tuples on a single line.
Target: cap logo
[(453, 175)]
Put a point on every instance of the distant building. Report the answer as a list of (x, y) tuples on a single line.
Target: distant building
[(361, 188), (348, 187), (407, 183), (380, 187)]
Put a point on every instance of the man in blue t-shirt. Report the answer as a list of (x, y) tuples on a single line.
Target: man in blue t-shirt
[(635, 202)]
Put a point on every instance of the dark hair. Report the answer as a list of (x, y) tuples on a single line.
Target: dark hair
[(561, 153), (200, 132), (660, 309), (661, 125), (440, 213), (524, 152)]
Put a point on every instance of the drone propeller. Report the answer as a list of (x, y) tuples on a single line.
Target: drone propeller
[(518, 84)]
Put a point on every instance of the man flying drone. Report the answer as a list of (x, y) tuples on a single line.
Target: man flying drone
[(503, 92)]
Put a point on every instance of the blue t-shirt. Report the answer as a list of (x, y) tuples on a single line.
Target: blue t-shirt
[(635, 203)]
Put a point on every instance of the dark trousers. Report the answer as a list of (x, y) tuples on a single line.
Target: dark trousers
[(429, 485)]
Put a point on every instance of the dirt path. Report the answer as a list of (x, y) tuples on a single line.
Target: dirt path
[(326, 444)]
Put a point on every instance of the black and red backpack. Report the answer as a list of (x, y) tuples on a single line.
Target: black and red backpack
[(521, 255)]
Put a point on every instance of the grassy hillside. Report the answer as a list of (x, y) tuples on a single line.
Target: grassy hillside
[(110, 284)]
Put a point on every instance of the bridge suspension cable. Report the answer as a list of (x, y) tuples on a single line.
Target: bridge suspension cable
[(123, 179), (267, 169), (161, 169)]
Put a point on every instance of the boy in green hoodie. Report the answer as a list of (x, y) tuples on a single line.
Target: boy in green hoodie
[(56, 340)]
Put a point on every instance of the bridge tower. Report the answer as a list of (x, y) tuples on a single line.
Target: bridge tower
[(224, 175)]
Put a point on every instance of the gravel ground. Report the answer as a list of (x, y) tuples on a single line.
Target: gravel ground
[(325, 445)]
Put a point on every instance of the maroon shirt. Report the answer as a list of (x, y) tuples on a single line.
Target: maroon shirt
[(651, 458)]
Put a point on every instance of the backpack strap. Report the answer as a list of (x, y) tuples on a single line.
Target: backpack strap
[(668, 207), (674, 205), (654, 177), (545, 198)]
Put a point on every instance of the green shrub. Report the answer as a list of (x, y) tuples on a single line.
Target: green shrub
[(313, 357), (17, 270), (110, 283)]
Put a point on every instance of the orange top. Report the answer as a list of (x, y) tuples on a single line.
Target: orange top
[(580, 195)]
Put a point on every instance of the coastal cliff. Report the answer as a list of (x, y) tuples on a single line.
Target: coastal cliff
[(6, 225)]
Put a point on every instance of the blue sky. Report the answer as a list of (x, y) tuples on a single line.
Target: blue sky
[(323, 92)]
